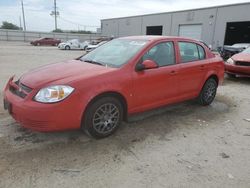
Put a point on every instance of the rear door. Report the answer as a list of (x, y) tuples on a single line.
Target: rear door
[(50, 41), (193, 68), (75, 44), (154, 87), (46, 41)]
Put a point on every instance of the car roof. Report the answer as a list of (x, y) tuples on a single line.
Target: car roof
[(156, 37)]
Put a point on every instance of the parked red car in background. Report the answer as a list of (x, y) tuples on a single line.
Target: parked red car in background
[(46, 41), (239, 64), (122, 77)]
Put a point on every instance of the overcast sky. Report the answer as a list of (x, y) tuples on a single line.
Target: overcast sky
[(75, 14)]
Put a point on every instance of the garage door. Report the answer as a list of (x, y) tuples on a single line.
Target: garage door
[(190, 31)]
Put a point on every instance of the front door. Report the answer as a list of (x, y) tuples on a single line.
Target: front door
[(158, 86)]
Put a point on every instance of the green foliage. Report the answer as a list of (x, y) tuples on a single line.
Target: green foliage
[(81, 32), (8, 25), (57, 31), (72, 31)]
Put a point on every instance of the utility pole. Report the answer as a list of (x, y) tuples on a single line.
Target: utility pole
[(20, 23), (55, 15), (24, 25)]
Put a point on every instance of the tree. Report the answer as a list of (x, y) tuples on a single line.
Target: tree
[(57, 31), (8, 25), (81, 32)]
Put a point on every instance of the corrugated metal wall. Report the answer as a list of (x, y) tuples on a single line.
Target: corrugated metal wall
[(213, 21)]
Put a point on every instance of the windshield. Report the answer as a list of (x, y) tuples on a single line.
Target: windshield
[(246, 51), (115, 53)]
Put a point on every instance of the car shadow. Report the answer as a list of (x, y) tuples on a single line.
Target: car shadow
[(161, 123), (76, 150)]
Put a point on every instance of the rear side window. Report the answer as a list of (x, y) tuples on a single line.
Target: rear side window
[(201, 52), (191, 52)]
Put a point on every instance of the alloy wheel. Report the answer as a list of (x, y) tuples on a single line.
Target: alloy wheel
[(106, 118)]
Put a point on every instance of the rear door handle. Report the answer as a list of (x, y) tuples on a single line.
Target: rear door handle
[(202, 67), (173, 72)]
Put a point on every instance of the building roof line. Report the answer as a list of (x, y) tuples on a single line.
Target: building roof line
[(178, 11)]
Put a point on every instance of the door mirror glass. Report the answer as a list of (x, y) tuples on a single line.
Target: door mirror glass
[(147, 64)]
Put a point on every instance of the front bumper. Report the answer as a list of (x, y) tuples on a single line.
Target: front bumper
[(64, 115), (237, 70)]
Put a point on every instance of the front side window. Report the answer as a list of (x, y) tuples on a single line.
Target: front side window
[(191, 52), (163, 54)]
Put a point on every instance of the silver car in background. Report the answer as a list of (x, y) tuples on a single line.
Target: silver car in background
[(73, 44), (91, 47)]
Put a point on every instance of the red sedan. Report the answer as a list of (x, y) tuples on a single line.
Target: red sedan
[(122, 77), (46, 41), (239, 64)]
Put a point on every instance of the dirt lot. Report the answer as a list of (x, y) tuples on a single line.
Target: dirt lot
[(184, 145)]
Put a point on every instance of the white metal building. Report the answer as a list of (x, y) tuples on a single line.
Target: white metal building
[(216, 26)]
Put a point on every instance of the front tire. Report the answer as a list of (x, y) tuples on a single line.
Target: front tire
[(67, 47), (103, 117), (208, 92)]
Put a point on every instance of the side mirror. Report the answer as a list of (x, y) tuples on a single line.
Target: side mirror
[(147, 64)]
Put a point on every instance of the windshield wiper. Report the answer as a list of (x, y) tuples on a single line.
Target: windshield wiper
[(93, 62)]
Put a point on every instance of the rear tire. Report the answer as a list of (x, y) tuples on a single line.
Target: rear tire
[(103, 117), (208, 92)]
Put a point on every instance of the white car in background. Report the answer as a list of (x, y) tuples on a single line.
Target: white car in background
[(94, 46), (73, 44)]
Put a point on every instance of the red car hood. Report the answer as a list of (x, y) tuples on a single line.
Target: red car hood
[(65, 71), (242, 57)]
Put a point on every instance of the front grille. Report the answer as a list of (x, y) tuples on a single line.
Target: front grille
[(19, 89), (242, 63), (15, 91), (23, 87)]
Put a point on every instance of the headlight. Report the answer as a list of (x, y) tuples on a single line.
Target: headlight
[(230, 61), (53, 93)]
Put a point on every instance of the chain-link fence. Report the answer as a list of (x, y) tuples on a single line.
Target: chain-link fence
[(27, 36)]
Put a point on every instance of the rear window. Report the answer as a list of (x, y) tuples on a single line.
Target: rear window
[(191, 52)]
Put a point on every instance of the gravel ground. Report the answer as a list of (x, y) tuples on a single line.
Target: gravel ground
[(184, 145)]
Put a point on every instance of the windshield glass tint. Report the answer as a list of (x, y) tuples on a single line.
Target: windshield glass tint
[(116, 52), (247, 51)]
